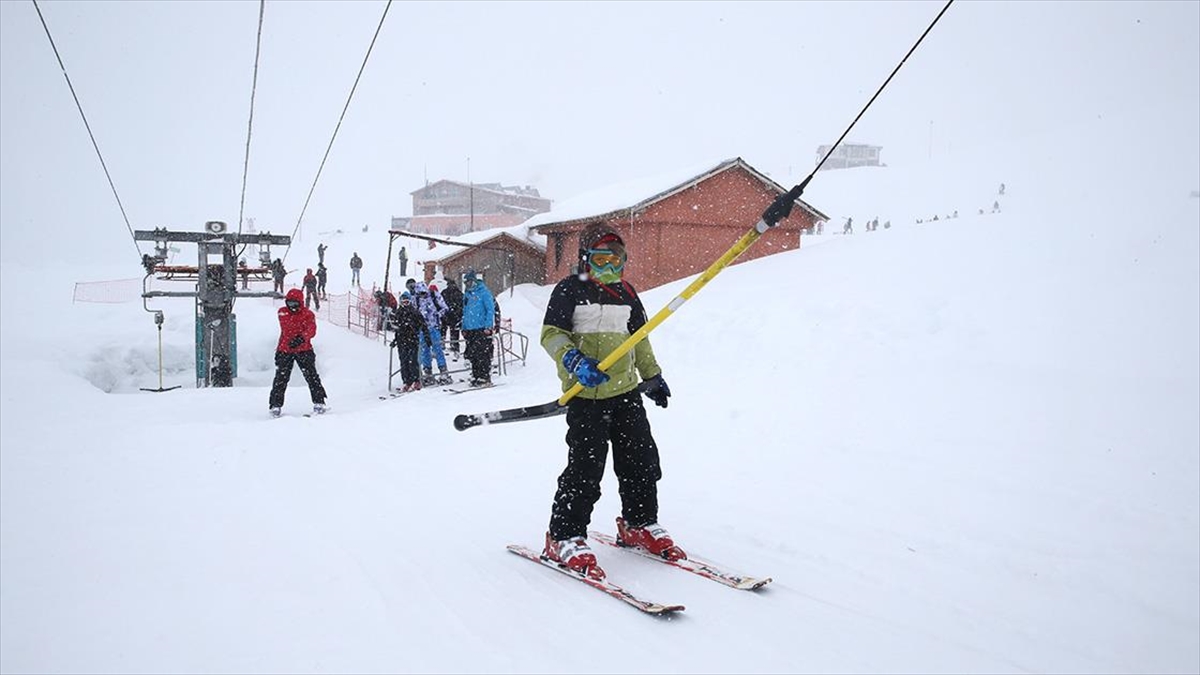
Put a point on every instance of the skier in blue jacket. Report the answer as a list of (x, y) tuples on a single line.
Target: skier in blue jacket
[(478, 325)]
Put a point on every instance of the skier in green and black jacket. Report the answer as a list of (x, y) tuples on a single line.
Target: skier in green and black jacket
[(589, 315)]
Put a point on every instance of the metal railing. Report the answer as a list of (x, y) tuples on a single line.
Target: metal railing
[(508, 347)]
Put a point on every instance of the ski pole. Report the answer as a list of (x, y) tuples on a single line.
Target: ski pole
[(777, 211)]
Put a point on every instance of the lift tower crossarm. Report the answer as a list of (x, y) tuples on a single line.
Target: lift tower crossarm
[(216, 289)]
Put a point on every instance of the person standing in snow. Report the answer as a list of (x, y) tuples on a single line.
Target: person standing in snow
[(408, 325), (355, 269), (297, 328), (589, 315), (452, 322), (322, 277), (310, 290), (321, 253), (432, 308), (478, 326), (278, 273), (403, 261), (386, 302)]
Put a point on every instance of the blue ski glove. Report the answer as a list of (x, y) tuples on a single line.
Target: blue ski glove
[(656, 390), (584, 368)]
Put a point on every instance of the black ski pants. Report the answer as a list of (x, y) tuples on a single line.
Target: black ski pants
[(410, 371), (479, 353), (451, 325), (307, 361), (591, 427)]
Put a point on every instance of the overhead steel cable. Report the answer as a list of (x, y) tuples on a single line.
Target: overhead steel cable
[(779, 209), (95, 145), (339, 126), (878, 91), (262, 4)]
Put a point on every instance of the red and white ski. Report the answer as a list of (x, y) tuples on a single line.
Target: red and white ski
[(697, 566), (605, 585)]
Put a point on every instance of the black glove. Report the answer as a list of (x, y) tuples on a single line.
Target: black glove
[(296, 341), (656, 390)]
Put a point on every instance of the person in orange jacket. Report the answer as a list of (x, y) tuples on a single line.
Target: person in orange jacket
[(297, 328)]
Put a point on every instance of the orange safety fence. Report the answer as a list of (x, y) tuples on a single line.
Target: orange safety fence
[(355, 310)]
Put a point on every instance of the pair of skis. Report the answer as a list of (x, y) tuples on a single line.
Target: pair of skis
[(449, 389), (698, 566)]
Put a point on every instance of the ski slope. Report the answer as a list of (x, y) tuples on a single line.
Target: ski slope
[(961, 446)]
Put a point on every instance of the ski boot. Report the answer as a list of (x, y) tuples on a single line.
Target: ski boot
[(276, 412), (575, 555), (443, 376), (653, 538), (319, 408)]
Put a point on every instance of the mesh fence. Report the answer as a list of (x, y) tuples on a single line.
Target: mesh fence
[(356, 311), (122, 290)]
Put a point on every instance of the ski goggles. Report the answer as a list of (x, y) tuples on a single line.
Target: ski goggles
[(599, 258)]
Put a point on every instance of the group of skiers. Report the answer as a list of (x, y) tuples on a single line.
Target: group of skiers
[(590, 314), (313, 282), (424, 315)]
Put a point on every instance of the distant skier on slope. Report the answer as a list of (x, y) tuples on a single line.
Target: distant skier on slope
[(589, 315)]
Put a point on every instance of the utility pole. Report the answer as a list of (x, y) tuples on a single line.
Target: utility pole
[(216, 289), (471, 188)]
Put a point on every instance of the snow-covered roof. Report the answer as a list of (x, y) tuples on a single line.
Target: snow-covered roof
[(521, 233), (640, 193)]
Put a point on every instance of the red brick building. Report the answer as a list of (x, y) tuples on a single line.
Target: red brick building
[(449, 207), (674, 225)]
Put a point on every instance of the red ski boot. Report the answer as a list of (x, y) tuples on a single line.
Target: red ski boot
[(575, 554), (653, 538)]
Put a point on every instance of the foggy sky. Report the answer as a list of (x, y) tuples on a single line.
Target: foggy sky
[(562, 96)]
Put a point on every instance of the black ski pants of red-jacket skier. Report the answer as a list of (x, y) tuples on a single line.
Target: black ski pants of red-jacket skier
[(307, 360), (591, 426)]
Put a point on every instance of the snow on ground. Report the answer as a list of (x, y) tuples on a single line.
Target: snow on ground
[(962, 446)]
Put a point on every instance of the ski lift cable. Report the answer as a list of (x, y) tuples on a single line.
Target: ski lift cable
[(878, 91), (250, 124), (336, 128), (91, 135)]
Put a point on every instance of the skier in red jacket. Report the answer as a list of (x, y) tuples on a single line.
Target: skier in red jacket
[(297, 327)]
